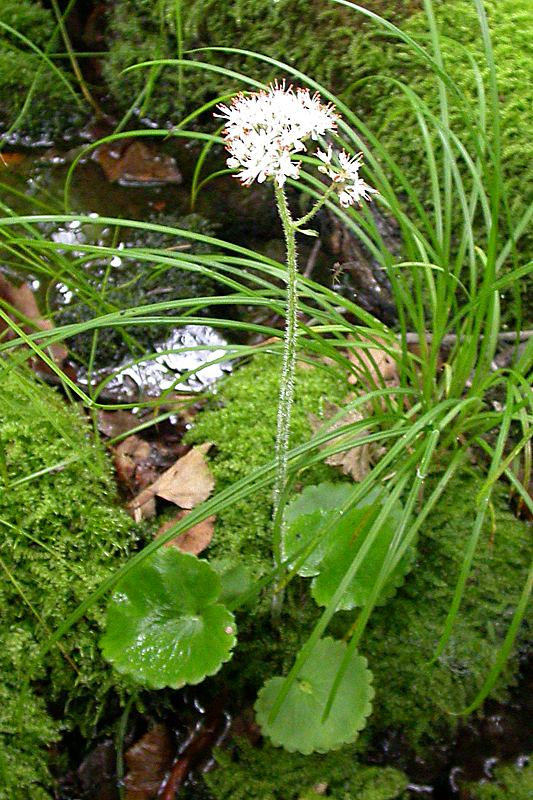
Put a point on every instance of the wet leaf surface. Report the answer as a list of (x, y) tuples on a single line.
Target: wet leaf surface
[(148, 761), (8, 160), (132, 463), (116, 423), (97, 773), (165, 626)]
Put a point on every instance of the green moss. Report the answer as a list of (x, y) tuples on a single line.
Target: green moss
[(267, 773), (52, 107), (313, 36), (60, 534), (389, 113), (411, 696), (510, 783)]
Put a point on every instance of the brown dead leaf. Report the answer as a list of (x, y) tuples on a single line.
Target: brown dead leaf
[(189, 481), (115, 423), (132, 463), (356, 461), (374, 365), (148, 761), (131, 162), (195, 539), (11, 159), (27, 315), (186, 483)]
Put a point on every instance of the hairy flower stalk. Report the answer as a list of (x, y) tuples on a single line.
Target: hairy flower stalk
[(264, 131)]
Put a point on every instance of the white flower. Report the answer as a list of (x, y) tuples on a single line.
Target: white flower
[(350, 186), (327, 167), (264, 129)]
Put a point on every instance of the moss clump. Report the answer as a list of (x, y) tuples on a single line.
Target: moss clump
[(313, 36), (267, 773), (390, 114), (52, 106), (61, 533), (411, 696), (510, 783)]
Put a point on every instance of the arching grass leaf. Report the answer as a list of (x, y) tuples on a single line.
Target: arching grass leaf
[(164, 624), (298, 726)]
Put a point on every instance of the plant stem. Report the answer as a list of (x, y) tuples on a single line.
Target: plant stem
[(286, 393)]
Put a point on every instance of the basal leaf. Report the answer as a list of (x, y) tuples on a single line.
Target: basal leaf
[(298, 726), (350, 534), (164, 624), (318, 508), (308, 513)]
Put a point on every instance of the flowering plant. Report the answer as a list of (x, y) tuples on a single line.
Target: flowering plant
[(264, 131)]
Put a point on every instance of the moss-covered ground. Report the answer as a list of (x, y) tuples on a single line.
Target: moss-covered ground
[(31, 92), (510, 782), (61, 533)]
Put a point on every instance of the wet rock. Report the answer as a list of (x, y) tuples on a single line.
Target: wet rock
[(97, 773)]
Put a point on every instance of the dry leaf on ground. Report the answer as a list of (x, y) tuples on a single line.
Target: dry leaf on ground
[(29, 318), (148, 761), (194, 540), (133, 464), (356, 460), (186, 483), (373, 363)]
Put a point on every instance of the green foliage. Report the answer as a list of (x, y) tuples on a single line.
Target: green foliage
[(298, 725), (268, 773), (241, 423), (319, 507), (400, 641), (411, 695), (164, 624), (314, 36), (51, 107), (389, 113), (59, 531), (510, 783)]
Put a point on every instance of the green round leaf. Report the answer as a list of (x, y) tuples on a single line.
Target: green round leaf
[(298, 726), (305, 515), (164, 625), (350, 534)]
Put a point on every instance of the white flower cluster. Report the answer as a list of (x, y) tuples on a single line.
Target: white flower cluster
[(351, 187), (264, 129)]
